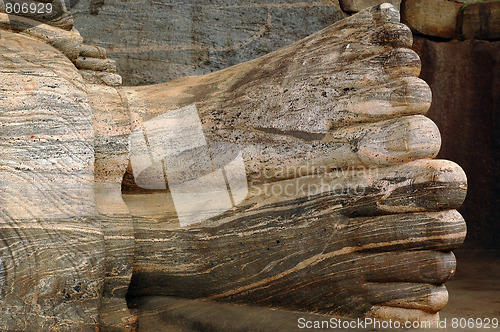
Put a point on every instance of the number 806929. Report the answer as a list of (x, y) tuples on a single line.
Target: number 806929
[(28, 7)]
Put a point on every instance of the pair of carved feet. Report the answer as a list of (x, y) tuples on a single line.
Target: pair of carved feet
[(346, 211)]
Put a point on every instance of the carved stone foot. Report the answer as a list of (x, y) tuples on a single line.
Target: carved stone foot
[(345, 212), (375, 247), (319, 103)]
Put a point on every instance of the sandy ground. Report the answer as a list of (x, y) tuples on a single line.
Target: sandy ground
[(474, 293)]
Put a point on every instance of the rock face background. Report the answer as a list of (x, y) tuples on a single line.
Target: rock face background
[(156, 41), (465, 80)]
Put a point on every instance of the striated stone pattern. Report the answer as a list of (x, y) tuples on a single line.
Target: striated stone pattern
[(156, 41), (111, 130), (68, 241), (346, 96), (287, 251), (52, 250), (319, 103)]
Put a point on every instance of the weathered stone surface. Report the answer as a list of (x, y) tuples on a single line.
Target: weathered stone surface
[(156, 41), (111, 124), (96, 69), (465, 79), (92, 51), (482, 21), (52, 252), (472, 292), (345, 80), (275, 263), (68, 42), (352, 264), (95, 64), (358, 100), (436, 18), (58, 16), (66, 154), (354, 6), (101, 77), (185, 315)]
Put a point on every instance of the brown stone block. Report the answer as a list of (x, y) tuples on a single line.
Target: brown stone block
[(482, 21), (431, 17)]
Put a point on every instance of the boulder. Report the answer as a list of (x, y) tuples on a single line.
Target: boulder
[(354, 6), (482, 21), (436, 18)]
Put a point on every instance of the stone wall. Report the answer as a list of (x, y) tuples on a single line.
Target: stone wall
[(453, 19), (157, 41), (465, 80), (459, 45)]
